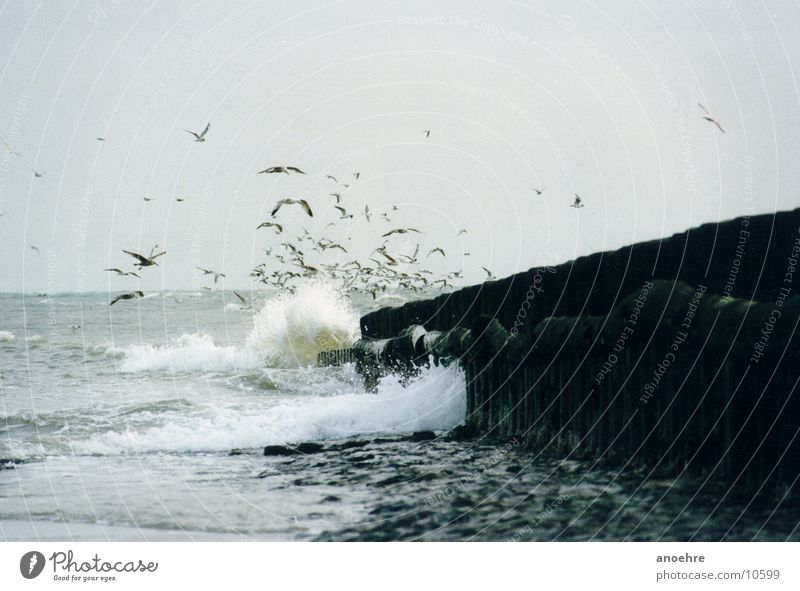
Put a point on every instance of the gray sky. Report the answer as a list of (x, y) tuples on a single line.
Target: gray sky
[(598, 98)]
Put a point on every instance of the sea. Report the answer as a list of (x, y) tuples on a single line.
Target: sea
[(147, 420)]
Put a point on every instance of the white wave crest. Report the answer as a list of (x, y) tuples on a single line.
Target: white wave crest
[(435, 401), (191, 352), (6, 336), (291, 329)]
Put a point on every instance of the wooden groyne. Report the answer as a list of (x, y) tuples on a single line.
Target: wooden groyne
[(673, 354)]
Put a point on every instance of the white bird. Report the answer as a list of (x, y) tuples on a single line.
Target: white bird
[(201, 137), (401, 231), (708, 117), (122, 273), (143, 260), (9, 149), (277, 169), (343, 215), (127, 296), (302, 202)]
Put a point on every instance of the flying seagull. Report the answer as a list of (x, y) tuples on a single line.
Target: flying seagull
[(199, 137), (37, 174), (148, 198), (10, 150), (331, 177), (127, 296), (181, 199), (437, 249), (489, 274), (284, 169), (100, 139), (460, 232), (122, 273), (270, 225), (427, 132), (401, 231), (210, 272), (366, 213), (539, 191), (302, 202), (708, 117), (356, 174), (578, 201), (343, 213), (143, 260), (35, 249), (338, 197), (245, 305)]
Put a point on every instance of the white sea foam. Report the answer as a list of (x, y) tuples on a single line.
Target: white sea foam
[(6, 336), (191, 352), (291, 329), (435, 401)]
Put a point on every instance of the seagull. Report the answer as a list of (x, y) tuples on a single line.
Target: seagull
[(401, 231), (391, 259), (34, 249), (437, 249), (344, 215), (366, 213), (302, 202), (284, 169), (708, 117), (244, 301), (127, 296), (9, 150), (122, 273), (270, 225), (181, 199), (148, 198), (338, 197), (356, 174), (201, 137), (460, 232), (427, 132), (143, 260), (539, 191), (385, 216), (489, 274), (578, 201), (100, 139), (38, 175), (331, 177), (210, 272)]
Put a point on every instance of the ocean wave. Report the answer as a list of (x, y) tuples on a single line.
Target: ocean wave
[(435, 401), (190, 352), (291, 329), (6, 336)]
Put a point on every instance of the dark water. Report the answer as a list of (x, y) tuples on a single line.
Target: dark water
[(118, 423)]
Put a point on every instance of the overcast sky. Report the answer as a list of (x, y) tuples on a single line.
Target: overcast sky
[(598, 98)]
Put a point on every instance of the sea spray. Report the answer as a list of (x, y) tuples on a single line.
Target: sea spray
[(291, 329), (436, 400), (190, 352)]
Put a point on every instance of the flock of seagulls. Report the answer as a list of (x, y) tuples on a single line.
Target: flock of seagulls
[(388, 265)]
